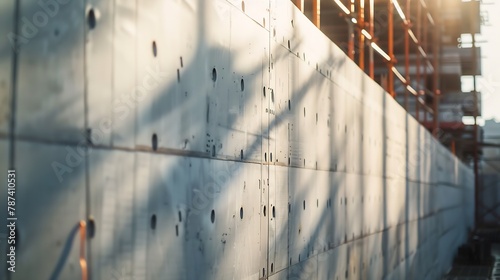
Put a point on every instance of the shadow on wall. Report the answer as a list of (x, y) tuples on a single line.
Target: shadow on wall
[(164, 137)]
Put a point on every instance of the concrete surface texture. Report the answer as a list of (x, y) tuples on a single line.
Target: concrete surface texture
[(213, 140)]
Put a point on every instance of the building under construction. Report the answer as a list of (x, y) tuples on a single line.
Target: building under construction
[(224, 139)]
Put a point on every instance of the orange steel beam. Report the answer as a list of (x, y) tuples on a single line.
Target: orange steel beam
[(361, 37), (419, 15), (407, 52), (424, 47), (372, 34), (299, 4), (436, 49), (83, 239), (316, 12), (390, 27), (351, 34)]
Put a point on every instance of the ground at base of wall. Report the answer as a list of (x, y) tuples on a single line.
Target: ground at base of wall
[(479, 259)]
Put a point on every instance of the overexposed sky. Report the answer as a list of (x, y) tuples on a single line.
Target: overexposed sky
[(489, 41)]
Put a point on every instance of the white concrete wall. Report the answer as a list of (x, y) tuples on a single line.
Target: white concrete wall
[(276, 156)]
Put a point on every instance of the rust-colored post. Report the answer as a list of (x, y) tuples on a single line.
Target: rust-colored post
[(419, 15), (351, 34), (436, 51), (424, 47), (316, 12), (372, 33), (390, 23), (361, 37), (452, 147), (407, 51), (299, 4)]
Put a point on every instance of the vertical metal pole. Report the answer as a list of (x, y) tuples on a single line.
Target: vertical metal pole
[(407, 52), (351, 35), (361, 37), (299, 4), (372, 33), (390, 23), (437, 93), (424, 47), (417, 105), (477, 192), (316, 12)]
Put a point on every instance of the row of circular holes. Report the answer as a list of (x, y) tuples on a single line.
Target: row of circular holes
[(92, 23), (153, 226), (212, 215)]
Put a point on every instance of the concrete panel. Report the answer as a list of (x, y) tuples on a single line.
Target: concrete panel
[(126, 92), (99, 54), (339, 129), (112, 209), (278, 218), (354, 209), (49, 210), (276, 101), (371, 203), (50, 104), (7, 49)]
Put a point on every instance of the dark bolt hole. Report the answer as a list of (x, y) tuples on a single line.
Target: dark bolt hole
[(154, 142), (241, 213), (264, 210), (214, 75), (241, 154), (264, 91), (89, 136), (176, 230), (91, 19), (91, 227), (272, 267), (153, 221), (242, 85), (155, 51), (180, 216), (304, 204), (212, 216), (274, 212)]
